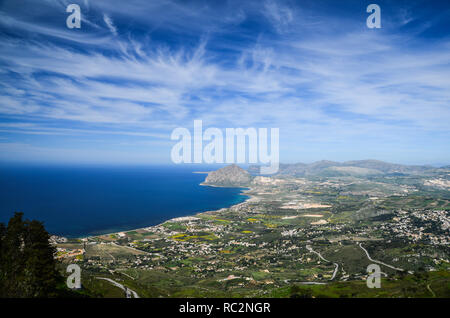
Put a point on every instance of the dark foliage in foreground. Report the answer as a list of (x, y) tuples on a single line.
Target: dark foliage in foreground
[(27, 266)]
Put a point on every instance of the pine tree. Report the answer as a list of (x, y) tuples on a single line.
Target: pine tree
[(27, 265)]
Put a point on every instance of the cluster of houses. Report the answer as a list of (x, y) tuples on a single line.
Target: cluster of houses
[(405, 227)]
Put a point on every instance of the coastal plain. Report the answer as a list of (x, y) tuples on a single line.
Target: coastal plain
[(297, 235)]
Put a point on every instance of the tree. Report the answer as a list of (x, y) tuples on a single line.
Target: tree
[(27, 265)]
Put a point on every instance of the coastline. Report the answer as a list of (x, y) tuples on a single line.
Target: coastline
[(175, 219), (220, 186)]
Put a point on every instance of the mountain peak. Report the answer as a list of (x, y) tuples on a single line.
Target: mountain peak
[(229, 176)]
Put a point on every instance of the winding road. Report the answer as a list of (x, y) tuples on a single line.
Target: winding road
[(309, 248), (128, 291), (431, 291), (379, 262)]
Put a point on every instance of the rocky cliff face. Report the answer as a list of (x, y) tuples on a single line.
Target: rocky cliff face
[(230, 176)]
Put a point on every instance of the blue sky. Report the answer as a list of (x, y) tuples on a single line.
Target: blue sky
[(113, 90)]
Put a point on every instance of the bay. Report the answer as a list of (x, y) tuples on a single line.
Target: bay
[(83, 201)]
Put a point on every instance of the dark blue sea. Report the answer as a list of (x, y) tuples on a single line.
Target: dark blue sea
[(82, 201)]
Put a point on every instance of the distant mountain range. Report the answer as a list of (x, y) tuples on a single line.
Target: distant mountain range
[(235, 176), (348, 168)]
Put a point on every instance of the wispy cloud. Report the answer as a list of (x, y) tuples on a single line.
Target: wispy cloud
[(281, 16), (333, 87), (109, 23)]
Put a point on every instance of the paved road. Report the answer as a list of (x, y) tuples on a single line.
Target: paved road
[(128, 291), (378, 262), (431, 291), (309, 248)]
